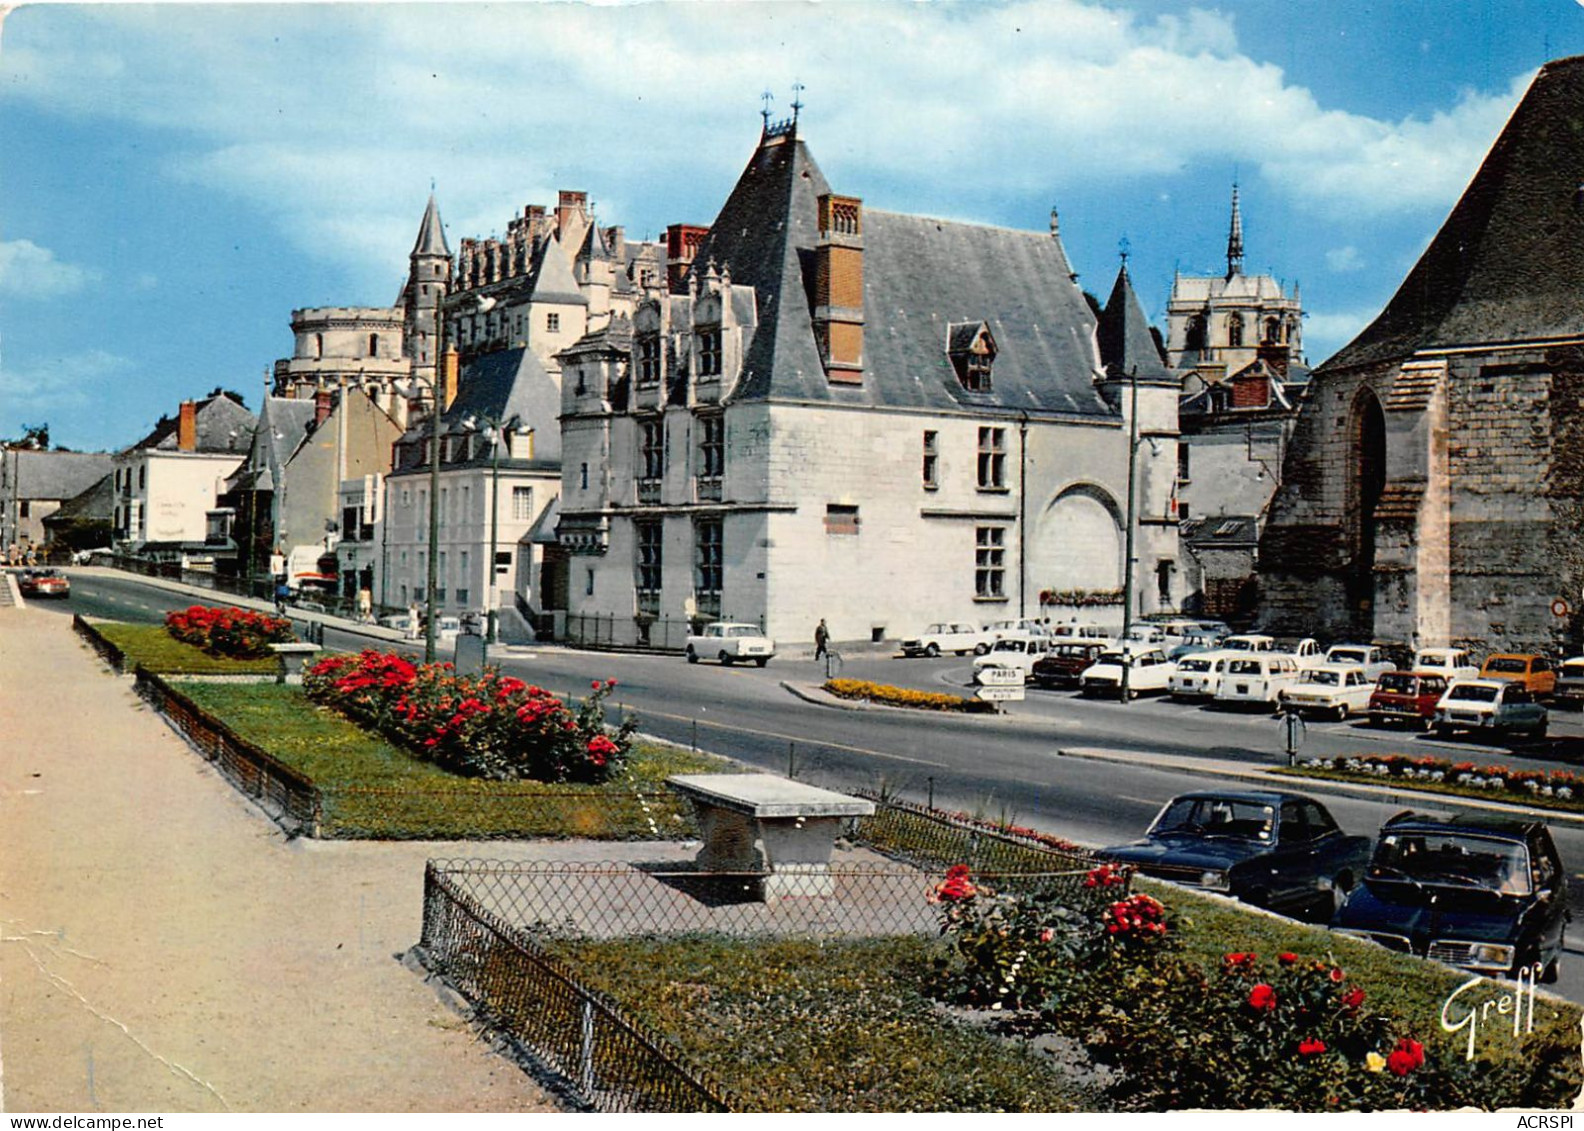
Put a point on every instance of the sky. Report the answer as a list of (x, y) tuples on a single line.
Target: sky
[(177, 178)]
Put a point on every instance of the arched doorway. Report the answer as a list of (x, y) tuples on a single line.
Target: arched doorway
[(1078, 543), (1366, 481)]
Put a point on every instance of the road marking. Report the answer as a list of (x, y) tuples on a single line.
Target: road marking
[(1136, 800), (795, 738)]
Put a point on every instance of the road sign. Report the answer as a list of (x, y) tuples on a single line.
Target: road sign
[(1002, 694), (1000, 677)]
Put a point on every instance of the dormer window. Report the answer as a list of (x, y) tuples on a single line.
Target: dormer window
[(972, 351)]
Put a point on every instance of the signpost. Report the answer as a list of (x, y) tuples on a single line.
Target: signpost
[(1293, 732), (1001, 694), (1000, 685)]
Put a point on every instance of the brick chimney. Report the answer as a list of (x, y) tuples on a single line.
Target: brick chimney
[(838, 288), (322, 403), (681, 245), (1251, 388), (187, 427), (450, 365)]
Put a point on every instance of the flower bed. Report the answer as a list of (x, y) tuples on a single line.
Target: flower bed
[(1555, 789), (152, 646), (239, 634), (489, 726), (1294, 1029), (903, 697)]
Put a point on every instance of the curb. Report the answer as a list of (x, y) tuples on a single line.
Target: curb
[(825, 699), (1269, 778)]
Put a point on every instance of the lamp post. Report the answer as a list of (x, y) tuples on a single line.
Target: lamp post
[(495, 430), (1127, 552), (430, 611)]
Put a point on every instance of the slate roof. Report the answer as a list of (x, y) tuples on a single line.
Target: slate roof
[(1125, 339), (1508, 263), (552, 279), (53, 475), (431, 233), (282, 425), (96, 503), (921, 275), (221, 425), (498, 386), (1222, 531)]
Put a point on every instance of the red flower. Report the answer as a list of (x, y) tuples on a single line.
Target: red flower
[(1413, 1050), (1262, 996), (595, 685), (1399, 1062), (1336, 974), (1311, 1046), (1353, 999), (1240, 960), (955, 887), (1287, 958)]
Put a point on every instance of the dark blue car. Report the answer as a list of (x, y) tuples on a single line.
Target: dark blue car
[(1282, 851), (1482, 892)]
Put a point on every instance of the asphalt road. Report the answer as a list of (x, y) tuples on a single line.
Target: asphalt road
[(1005, 767)]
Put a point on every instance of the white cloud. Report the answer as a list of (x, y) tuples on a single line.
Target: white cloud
[(1344, 259), (30, 271), (71, 383)]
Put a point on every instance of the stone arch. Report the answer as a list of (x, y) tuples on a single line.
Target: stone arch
[(1365, 482), (1198, 334), (1078, 542)]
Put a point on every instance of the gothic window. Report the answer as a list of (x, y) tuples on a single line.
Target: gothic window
[(373, 345), (651, 448), (1196, 333), (649, 361), (931, 459), (709, 346), (990, 562), (318, 346), (1234, 331), (649, 558), (992, 459), (972, 351)]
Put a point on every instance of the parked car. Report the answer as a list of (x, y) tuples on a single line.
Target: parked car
[(1072, 630), (1142, 632), (1025, 626), (1371, 658), (1329, 689), (1216, 628), (1277, 850), (1256, 678), (1450, 663), (1249, 642), (1570, 683), (1147, 670), (728, 643), (44, 583), (1018, 652), (1473, 890), (1301, 648), (1532, 670), (1493, 707), (1065, 663), (1193, 645), (1176, 628), (1197, 676), (938, 638), (1406, 699)]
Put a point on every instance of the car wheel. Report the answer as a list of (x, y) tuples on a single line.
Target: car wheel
[(762, 661), (981, 649), (692, 656), (1340, 887), (725, 659), (1442, 732), (932, 650), (1342, 712)]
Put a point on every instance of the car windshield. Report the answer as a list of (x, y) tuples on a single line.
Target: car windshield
[(1473, 692), (1513, 665), (1323, 678), (1245, 667), (1192, 665), (1216, 816), (742, 630), (1400, 684), (1454, 859), (1076, 651)]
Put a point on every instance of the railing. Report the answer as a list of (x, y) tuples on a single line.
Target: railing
[(109, 652), (932, 838)]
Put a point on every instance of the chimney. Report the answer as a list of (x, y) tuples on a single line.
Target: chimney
[(322, 401), (187, 427), (449, 366), (838, 288), (681, 245), (571, 207)]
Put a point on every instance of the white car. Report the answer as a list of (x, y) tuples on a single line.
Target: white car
[(1453, 663), (1072, 632), (1249, 642), (1257, 677), (1018, 652), (1197, 675), (728, 643), (1373, 660), (1332, 689), (1144, 634), (1493, 707), (1001, 629), (938, 638), (1148, 669)]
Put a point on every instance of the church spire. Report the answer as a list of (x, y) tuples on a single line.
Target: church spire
[(1235, 238), (431, 233)]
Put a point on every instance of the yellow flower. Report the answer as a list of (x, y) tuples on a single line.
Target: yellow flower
[(1374, 1061)]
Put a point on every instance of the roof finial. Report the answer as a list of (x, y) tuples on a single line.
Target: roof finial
[(1235, 237), (766, 98), (1055, 226), (797, 100), (1124, 249)]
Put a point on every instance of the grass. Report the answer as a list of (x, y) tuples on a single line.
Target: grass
[(800, 1025), (158, 651), (373, 789)]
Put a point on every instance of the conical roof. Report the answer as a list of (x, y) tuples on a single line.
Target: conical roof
[(1508, 264), (1124, 335), (431, 233)]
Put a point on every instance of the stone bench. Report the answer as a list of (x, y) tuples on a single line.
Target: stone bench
[(293, 658), (771, 825)]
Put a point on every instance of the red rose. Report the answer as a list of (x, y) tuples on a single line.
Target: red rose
[(1413, 1050), (595, 685), (1400, 1062), (1240, 959), (1287, 958), (1336, 974), (1262, 996), (1311, 1046), (1353, 999)]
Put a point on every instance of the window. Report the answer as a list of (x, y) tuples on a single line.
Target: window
[(649, 562), (840, 518), (588, 584), (651, 445), (553, 325), (318, 346), (467, 502), (708, 557), (931, 459), (503, 561), (1195, 339), (992, 459), (584, 476), (972, 351), (142, 476), (649, 360), (349, 522), (1273, 328), (990, 562), (373, 345), (709, 344), (1234, 331), (445, 500), (1183, 472), (712, 446), (522, 504)]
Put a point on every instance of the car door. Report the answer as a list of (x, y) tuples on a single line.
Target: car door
[(1550, 886), (1288, 870)]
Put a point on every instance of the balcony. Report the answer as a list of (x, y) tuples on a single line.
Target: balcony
[(707, 488)]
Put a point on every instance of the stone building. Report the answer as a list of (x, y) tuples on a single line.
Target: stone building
[(336, 345), (874, 418), (34, 483), (1434, 489)]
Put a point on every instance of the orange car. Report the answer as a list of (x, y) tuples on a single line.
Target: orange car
[(1534, 672)]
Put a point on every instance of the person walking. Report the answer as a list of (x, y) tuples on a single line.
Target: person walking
[(821, 639), (365, 605), (412, 622), (282, 591)]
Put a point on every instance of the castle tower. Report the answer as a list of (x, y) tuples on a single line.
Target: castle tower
[(429, 280)]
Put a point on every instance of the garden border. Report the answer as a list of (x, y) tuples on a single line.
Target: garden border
[(108, 652)]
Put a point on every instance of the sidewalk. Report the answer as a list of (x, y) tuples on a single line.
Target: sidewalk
[(163, 948)]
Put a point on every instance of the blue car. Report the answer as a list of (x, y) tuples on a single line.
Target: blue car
[(1482, 892)]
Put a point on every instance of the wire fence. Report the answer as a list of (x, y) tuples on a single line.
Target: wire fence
[(932, 838)]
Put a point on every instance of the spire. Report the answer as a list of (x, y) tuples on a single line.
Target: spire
[(431, 233), (1123, 334), (1235, 238)]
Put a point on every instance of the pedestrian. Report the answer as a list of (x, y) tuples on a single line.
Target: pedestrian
[(365, 605), (821, 639), (282, 592), (412, 621)]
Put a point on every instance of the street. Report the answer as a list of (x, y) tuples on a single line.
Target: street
[(1004, 767)]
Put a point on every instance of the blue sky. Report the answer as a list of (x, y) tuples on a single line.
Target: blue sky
[(179, 178)]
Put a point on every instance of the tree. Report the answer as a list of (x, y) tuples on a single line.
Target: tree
[(34, 437)]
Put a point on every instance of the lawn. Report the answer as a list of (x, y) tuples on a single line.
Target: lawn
[(372, 789), (157, 650)]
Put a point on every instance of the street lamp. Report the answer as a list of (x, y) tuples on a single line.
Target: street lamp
[(433, 573), (495, 430)]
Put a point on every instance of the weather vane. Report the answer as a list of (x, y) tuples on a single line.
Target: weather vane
[(797, 99), (766, 98), (1124, 248)]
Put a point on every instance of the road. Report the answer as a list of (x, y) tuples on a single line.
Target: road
[(1003, 767)]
